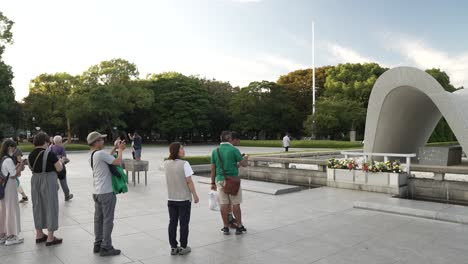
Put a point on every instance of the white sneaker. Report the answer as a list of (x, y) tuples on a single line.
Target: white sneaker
[(2, 240), (14, 240)]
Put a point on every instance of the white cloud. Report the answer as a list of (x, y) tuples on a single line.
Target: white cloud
[(421, 55), (283, 63), (347, 55)]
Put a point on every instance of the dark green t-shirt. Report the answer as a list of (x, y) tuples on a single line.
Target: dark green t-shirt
[(230, 156)]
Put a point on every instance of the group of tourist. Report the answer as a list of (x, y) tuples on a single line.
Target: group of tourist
[(47, 166), (225, 161), (44, 165)]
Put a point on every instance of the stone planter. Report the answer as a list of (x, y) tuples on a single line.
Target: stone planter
[(344, 175), (384, 182), (397, 179), (377, 178), (360, 176), (330, 175)]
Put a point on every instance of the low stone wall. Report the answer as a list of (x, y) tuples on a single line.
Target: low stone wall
[(436, 190), (308, 178)]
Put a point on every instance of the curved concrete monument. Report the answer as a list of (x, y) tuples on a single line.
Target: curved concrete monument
[(404, 108)]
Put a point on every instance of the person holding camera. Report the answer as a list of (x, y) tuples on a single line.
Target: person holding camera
[(103, 196)]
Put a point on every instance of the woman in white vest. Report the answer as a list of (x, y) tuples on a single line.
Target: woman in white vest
[(180, 189)]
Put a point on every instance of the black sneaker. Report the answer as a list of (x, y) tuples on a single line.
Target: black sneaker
[(175, 251), (240, 229), (225, 230), (97, 248), (109, 252), (69, 197), (24, 199)]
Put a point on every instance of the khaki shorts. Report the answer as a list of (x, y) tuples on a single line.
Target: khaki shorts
[(228, 198)]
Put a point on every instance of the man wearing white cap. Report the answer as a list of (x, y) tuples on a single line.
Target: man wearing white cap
[(103, 196)]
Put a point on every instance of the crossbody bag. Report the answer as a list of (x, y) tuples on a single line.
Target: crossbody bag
[(231, 183)]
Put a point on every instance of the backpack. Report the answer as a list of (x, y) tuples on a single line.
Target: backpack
[(3, 178), (119, 178)]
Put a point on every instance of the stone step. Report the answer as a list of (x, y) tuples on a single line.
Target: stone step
[(415, 208), (261, 187)]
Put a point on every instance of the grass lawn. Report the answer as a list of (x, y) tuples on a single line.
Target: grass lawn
[(28, 147), (302, 144), (197, 160)]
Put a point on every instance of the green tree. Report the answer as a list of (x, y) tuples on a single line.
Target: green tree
[(48, 101), (220, 94), (181, 105), (298, 84), (442, 132), (263, 107), (6, 35), (443, 78), (7, 93), (335, 117), (352, 81), (109, 95), (115, 71)]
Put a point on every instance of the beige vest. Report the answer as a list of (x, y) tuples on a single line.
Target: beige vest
[(177, 187)]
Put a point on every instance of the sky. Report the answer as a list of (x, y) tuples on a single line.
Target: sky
[(238, 41)]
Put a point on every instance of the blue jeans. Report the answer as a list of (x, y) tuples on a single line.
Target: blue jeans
[(138, 153)]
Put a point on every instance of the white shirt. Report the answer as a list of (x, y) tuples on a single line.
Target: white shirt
[(102, 175), (8, 166), (286, 141)]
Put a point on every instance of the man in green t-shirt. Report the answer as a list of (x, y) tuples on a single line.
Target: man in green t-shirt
[(230, 157)]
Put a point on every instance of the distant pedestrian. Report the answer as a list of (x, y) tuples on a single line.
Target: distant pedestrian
[(180, 189), (103, 195), (59, 150), (10, 224), (286, 142), (136, 143), (44, 165), (225, 173)]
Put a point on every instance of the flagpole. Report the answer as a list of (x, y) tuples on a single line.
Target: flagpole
[(313, 68)]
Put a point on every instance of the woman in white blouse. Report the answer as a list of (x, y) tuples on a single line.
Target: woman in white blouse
[(10, 227)]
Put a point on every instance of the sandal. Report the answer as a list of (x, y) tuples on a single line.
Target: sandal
[(42, 239), (56, 241)]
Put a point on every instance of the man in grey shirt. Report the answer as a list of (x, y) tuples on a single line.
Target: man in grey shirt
[(103, 196)]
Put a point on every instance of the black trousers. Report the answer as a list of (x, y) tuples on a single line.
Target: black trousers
[(286, 149), (179, 212)]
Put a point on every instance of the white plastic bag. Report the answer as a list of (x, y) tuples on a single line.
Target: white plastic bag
[(213, 200)]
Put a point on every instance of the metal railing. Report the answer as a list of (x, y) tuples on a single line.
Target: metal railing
[(368, 155)]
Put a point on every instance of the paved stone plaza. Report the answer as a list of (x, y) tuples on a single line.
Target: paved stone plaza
[(310, 226)]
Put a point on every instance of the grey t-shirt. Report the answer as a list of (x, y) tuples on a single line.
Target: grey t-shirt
[(102, 175)]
